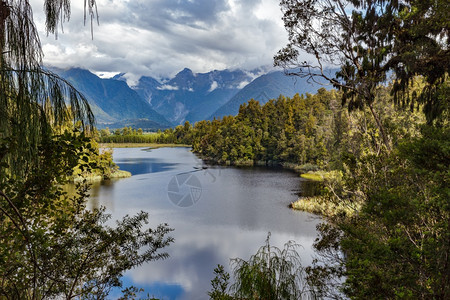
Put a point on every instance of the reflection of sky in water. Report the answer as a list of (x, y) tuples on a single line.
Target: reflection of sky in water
[(237, 208), (144, 166)]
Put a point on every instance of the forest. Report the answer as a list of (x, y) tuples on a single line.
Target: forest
[(380, 136)]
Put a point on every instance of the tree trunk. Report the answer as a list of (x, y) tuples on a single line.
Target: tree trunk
[(4, 14), (380, 127)]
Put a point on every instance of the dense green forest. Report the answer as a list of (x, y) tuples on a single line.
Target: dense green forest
[(175, 135), (305, 130)]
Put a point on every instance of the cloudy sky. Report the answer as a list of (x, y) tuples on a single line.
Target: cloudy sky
[(161, 37)]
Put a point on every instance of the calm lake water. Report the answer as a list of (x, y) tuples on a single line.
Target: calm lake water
[(218, 213)]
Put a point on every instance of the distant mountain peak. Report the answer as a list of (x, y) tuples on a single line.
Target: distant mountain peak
[(192, 97), (187, 96), (112, 100), (185, 72), (120, 76)]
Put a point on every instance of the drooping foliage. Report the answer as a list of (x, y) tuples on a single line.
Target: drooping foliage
[(52, 246), (367, 41), (33, 99), (271, 273)]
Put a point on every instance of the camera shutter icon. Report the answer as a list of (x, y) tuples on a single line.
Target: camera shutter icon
[(184, 190)]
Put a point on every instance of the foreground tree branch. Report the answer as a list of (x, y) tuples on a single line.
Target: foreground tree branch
[(366, 41)]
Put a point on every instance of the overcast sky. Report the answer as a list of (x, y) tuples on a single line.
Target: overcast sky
[(161, 37)]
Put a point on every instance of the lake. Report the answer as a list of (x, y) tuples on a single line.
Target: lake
[(217, 212)]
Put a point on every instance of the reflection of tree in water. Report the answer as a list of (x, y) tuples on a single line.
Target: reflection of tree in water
[(309, 188), (103, 188)]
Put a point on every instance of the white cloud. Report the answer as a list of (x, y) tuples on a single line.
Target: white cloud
[(106, 74), (161, 37), (214, 86), (242, 84), (168, 87)]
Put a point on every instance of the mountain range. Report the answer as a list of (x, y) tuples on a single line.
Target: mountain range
[(113, 101), (152, 104)]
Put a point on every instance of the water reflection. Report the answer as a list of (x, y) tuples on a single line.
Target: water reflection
[(144, 165), (235, 211), (106, 189), (309, 188)]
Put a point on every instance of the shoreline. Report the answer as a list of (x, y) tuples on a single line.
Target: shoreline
[(90, 178), (98, 178), (316, 204), (140, 145), (300, 169)]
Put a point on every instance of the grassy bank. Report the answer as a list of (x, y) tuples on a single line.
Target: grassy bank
[(319, 175), (97, 178), (139, 145), (120, 174), (321, 204)]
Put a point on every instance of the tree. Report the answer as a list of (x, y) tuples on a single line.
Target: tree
[(421, 47), (105, 132), (126, 131), (397, 244), (51, 246), (271, 273), (26, 86), (366, 40), (220, 285)]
